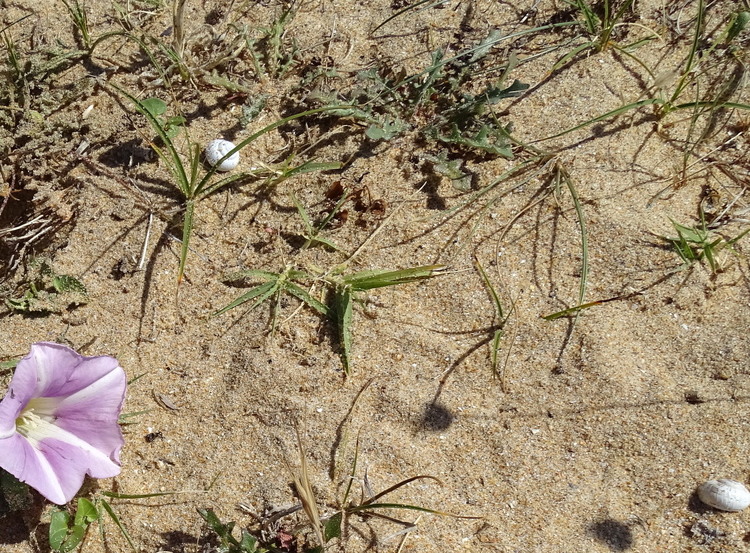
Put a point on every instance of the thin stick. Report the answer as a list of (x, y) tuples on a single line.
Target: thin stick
[(146, 239)]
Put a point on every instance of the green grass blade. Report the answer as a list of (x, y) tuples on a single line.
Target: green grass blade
[(262, 292), (311, 167), (605, 116), (303, 295), (576, 308), (367, 280), (688, 71), (495, 298), (738, 237), (399, 485), (570, 55), (115, 495), (584, 235), (343, 309), (712, 104), (251, 273), (179, 168), (374, 506), (406, 9), (187, 230), (203, 184), (117, 522), (207, 191), (302, 213)]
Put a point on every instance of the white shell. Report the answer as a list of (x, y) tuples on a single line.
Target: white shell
[(725, 495), (217, 149)]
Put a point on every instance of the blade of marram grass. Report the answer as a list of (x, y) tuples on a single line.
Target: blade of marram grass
[(495, 344), (373, 506), (251, 273), (576, 308), (608, 115), (400, 485), (688, 72), (406, 9)]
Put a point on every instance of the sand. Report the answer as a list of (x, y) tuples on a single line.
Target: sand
[(595, 431)]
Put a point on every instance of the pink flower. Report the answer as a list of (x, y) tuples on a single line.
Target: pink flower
[(59, 420)]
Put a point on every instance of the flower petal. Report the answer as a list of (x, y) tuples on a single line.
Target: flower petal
[(29, 465), (70, 405), (10, 408)]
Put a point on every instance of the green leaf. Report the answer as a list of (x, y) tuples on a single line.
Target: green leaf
[(489, 138), (187, 230), (86, 513), (154, 106), (738, 24), (495, 94), (74, 538), (332, 527), (108, 508), (224, 531), (4, 365), (58, 529), (343, 307), (248, 543), (386, 129), (67, 283), (262, 292), (303, 295), (367, 280)]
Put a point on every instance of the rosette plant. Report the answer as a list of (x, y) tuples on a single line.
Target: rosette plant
[(59, 420)]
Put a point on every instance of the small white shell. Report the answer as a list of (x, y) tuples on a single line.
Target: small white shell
[(725, 495), (217, 149)]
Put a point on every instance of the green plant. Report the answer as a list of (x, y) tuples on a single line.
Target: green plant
[(692, 71), (698, 243), (435, 102), (370, 505), (499, 327), (228, 543), (195, 184), (273, 54), (312, 232), (66, 532), (599, 21), (80, 19), (48, 292), (343, 291)]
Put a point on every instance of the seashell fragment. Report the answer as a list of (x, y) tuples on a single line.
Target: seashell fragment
[(217, 149), (725, 495)]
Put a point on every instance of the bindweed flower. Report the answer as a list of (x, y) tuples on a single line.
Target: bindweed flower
[(58, 420)]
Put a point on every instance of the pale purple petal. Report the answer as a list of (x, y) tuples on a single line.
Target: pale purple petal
[(10, 408), (69, 407), (54, 370), (29, 465)]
